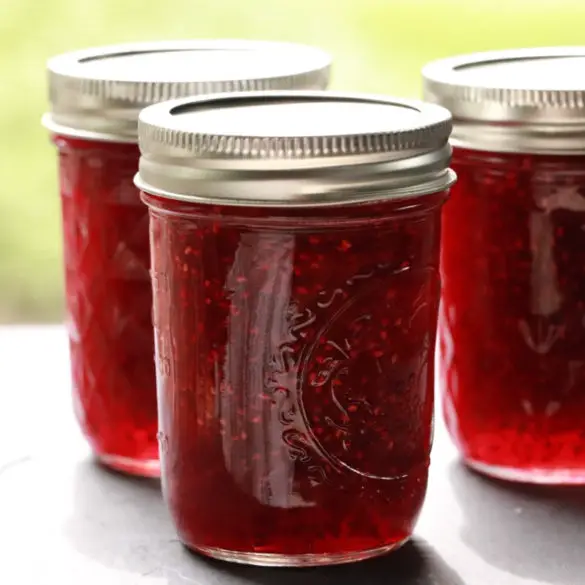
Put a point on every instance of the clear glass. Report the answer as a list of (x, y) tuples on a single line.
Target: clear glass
[(109, 302), (513, 315), (295, 375)]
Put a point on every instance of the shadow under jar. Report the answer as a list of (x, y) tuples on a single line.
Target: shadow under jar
[(512, 325), (295, 247), (96, 95)]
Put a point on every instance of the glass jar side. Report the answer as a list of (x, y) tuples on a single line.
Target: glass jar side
[(295, 375), (512, 337), (109, 302)]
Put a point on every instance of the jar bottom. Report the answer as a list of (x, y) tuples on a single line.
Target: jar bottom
[(534, 475), (284, 560), (130, 466)]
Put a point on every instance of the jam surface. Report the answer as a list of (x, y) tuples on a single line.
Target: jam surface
[(513, 314), (109, 299), (295, 373)]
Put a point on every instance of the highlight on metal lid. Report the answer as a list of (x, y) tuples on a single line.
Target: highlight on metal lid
[(98, 93), (518, 100), (294, 148)]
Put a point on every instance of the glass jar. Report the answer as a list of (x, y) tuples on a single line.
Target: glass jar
[(96, 96), (295, 245), (512, 324)]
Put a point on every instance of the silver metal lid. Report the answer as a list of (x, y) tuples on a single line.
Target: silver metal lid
[(520, 100), (98, 93), (294, 149)]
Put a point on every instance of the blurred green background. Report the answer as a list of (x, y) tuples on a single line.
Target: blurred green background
[(378, 45)]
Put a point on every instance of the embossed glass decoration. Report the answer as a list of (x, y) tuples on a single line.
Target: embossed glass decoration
[(513, 314), (96, 96), (295, 334)]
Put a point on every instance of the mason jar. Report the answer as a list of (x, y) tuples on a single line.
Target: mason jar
[(295, 247), (96, 95), (512, 322)]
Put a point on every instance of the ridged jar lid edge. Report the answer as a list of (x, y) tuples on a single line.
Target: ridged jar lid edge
[(294, 148), (500, 100), (90, 104)]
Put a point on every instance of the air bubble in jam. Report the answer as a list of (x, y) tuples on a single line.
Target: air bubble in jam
[(298, 398), (109, 302), (512, 320)]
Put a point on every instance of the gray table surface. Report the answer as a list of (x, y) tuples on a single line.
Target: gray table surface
[(65, 520)]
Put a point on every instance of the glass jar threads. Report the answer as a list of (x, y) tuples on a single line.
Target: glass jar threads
[(95, 97), (513, 312), (295, 246)]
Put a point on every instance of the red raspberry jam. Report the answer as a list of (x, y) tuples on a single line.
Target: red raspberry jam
[(96, 97), (512, 326), (295, 348), (109, 301), (296, 373), (513, 343)]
